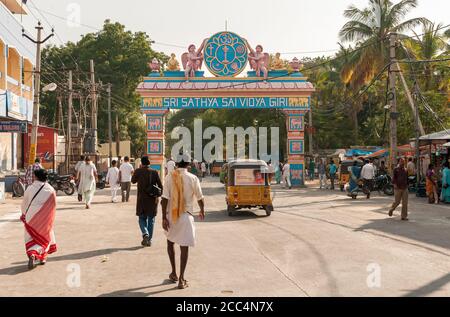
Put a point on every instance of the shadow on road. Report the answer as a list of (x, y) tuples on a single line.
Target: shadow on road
[(429, 288), (239, 215), (137, 292), (22, 268)]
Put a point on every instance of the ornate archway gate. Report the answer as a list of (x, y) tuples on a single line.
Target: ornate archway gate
[(281, 89)]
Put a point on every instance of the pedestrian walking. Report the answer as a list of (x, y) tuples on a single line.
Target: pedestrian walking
[(29, 175), (411, 167), (147, 199), (77, 169), (368, 175), (355, 175), (445, 194), (112, 178), (278, 172), (181, 190), (87, 175), (203, 169), (431, 185), (126, 171), (170, 166), (38, 216), (332, 169), (287, 175), (322, 174), (400, 181)]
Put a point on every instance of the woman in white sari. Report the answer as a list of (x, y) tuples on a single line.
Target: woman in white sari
[(38, 216), (87, 175)]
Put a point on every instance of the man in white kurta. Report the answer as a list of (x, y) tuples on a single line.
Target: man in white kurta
[(87, 174), (181, 230), (112, 178)]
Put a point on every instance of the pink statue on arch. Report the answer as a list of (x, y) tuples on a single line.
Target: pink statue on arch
[(259, 61), (192, 60)]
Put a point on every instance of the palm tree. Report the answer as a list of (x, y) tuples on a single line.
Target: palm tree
[(429, 45), (369, 29)]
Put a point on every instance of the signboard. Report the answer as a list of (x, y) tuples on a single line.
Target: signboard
[(295, 103), (46, 146), (13, 126), (297, 174), (248, 177)]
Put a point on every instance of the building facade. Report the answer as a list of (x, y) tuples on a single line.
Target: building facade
[(17, 59)]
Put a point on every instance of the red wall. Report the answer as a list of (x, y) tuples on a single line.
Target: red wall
[(46, 146)]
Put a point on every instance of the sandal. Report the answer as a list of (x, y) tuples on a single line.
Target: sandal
[(173, 277), (183, 284)]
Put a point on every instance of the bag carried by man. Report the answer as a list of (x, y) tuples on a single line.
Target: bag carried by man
[(152, 189)]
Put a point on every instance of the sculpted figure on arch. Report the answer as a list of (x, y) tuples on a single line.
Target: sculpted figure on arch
[(192, 60), (259, 61)]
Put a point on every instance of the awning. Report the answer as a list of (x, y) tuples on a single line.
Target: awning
[(442, 135), (446, 144)]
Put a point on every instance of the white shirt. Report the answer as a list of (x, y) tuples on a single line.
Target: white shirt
[(127, 170), (368, 172), (113, 176), (191, 188), (286, 169), (78, 165), (170, 166), (203, 167)]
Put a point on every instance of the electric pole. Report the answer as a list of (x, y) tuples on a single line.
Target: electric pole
[(94, 107), (37, 89), (69, 125), (109, 123), (393, 101), (311, 134), (117, 136)]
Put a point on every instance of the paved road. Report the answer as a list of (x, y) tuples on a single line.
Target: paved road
[(316, 243)]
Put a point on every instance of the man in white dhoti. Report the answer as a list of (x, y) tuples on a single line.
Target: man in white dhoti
[(87, 175), (112, 178), (181, 189)]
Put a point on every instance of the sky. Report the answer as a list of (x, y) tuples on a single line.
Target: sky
[(295, 28)]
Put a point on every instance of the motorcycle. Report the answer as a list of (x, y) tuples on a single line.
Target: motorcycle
[(63, 183), (383, 183), (101, 183)]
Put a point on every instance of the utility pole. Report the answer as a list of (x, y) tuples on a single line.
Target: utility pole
[(37, 89), (311, 134), (117, 136), (419, 125), (69, 125), (94, 106), (393, 101), (418, 134), (109, 123)]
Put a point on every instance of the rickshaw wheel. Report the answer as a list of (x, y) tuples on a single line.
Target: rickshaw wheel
[(269, 209), (230, 210)]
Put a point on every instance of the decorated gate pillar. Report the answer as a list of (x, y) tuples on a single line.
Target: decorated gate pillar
[(295, 145), (155, 123)]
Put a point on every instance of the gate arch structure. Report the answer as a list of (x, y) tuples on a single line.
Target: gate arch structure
[(269, 84)]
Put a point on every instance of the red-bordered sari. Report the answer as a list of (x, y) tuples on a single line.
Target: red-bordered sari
[(38, 216)]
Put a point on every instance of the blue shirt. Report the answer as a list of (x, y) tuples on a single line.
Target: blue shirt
[(333, 169)]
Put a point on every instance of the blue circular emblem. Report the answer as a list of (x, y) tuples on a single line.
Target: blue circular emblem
[(225, 54)]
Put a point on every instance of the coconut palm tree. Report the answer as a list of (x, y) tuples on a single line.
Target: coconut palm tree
[(429, 45), (370, 28)]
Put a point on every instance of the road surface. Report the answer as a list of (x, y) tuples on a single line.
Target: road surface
[(316, 243)]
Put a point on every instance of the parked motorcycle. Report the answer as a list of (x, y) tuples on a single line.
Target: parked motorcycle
[(63, 183), (101, 183), (383, 183)]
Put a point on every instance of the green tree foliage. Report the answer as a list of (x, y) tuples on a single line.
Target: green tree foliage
[(120, 58)]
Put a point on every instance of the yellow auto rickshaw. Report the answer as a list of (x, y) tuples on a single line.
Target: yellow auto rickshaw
[(247, 186)]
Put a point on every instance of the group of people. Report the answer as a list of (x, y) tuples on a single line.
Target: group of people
[(180, 191), (432, 184)]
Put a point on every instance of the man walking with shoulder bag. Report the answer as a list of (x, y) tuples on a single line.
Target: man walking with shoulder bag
[(149, 189)]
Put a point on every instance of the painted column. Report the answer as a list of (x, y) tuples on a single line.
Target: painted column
[(296, 145), (155, 122)]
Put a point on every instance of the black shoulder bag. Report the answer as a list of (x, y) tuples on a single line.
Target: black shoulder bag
[(152, 189)]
